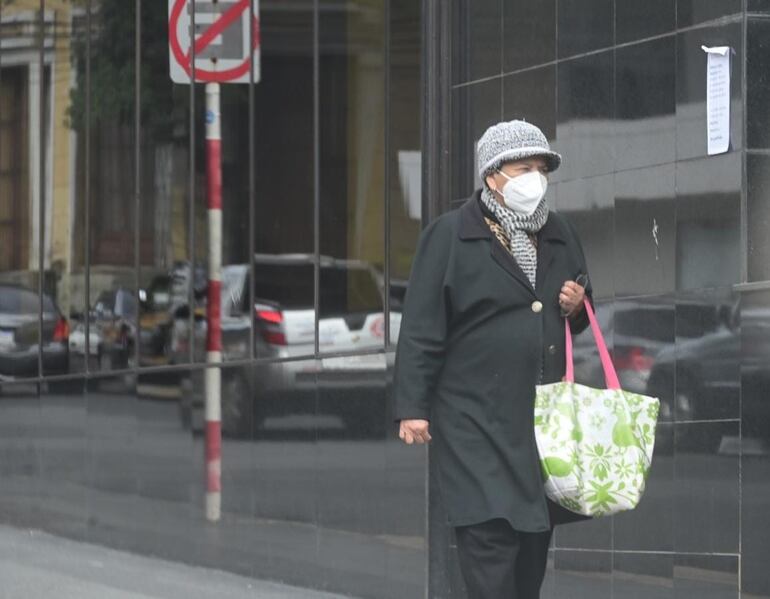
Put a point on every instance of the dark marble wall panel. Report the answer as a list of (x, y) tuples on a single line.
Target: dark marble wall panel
[(113, 470), (531, 96), (643, 347), (663, 227), (638, 20), (529, 33), (590, 205), (708, 222), (645, 221), (755, 442), (20, 450), (643, 576), (692, 12), (758, 216), (581, 574), (758, 6), (585, 131), (589, 534), (757, 83), (706, 576), (584, 25), (707, 368), (706, 477), (476, 39), (474, 108), (63, 452), (645, 103), (350, 445), (406, 520), (650, 527)]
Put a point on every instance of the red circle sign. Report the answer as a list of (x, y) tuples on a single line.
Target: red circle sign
[(184, 58)]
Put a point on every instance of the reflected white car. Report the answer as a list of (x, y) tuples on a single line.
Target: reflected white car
[(351, 318)]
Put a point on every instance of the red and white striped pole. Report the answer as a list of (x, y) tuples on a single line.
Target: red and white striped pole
[(214, 330)]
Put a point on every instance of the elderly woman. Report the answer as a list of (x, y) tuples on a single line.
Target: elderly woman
[(482, 326)]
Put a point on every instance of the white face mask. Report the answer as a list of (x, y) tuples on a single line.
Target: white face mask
[(522, 194)]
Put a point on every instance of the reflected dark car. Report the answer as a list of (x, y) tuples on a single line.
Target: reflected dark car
[(112, 330), (755, 378), (163, 305), (19, 340), (636, 333), (351, 318), (699, 376), (720, 368)]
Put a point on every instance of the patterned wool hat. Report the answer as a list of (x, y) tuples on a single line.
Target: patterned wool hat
[(513, 140)]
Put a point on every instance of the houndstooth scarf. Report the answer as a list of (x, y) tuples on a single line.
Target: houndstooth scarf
[(517, 226)]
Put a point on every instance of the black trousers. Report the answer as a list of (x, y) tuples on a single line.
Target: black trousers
[(498, 562)]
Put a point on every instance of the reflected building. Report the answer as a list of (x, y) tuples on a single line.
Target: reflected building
[(359, 132)]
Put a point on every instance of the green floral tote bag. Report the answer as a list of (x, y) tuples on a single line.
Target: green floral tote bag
[(595, 445)]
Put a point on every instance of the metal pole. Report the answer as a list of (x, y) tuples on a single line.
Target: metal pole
[(214, 331)]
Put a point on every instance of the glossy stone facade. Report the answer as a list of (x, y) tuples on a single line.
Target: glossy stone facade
[(317, 490), (676, 242)]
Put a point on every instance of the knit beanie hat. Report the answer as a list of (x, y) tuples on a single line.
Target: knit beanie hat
[(513, 140)]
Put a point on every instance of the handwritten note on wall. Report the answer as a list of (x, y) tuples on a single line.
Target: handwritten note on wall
[(718, 99)]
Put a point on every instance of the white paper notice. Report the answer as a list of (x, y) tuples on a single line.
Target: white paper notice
[(718, 99)]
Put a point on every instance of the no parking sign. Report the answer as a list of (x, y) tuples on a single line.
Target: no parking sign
[(226, 39), (225, 44)]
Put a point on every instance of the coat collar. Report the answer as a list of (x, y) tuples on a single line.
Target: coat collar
[(473, 226)]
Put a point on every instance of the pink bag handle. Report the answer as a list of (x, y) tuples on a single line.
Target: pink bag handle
[(610, 376)]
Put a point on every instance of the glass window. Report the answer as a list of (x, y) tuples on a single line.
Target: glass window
[(352, 172), (25, 186), (284, 175)]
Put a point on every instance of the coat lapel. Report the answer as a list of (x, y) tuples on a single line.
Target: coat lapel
[(473, 226), (503, 258), (548, 240)]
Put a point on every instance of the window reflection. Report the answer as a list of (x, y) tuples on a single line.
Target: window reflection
[(25, 183), (405, 155), (352, 173)]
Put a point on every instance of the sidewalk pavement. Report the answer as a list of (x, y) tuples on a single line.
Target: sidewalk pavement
[(36, 565)]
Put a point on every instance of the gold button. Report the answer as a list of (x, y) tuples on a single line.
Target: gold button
[(537, 306)]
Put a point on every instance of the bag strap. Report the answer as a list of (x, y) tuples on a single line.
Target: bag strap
[(610, 375)]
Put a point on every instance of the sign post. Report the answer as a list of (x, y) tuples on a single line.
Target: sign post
[(223, 48), (214, 306)]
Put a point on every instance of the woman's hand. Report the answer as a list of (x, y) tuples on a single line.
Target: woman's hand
[(414, 431), (571, 299)]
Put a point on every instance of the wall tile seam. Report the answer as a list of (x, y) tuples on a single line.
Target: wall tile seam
[(744, 232), (751, 286), (688, 160), (744, 249), (673, 295), (706, 25), (455, 86), (714, 421), (194, 366), (502, 44), (648, 552)]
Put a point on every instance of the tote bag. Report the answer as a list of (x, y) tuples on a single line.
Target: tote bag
[(595, 445)]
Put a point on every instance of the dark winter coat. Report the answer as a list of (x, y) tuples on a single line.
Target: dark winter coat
[(474, 341)]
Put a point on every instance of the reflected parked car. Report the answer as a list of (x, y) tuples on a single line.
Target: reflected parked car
[(636, 333), (112, 331), (351, 318), (699, 376), (163, 306), (19, 334)]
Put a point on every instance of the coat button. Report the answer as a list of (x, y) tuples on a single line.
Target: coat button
[(552, 349), (537, 306)]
